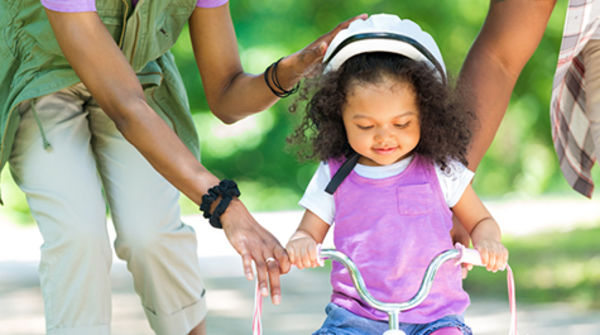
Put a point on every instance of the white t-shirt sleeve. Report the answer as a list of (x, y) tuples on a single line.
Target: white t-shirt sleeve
[(315, 199), (455, 182)]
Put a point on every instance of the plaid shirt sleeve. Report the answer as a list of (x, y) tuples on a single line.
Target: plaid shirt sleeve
[(570, 125)]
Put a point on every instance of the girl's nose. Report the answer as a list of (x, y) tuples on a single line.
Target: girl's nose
[(381, 134)]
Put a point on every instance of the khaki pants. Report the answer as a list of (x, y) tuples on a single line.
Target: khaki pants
[(63, 184), (591, 61)]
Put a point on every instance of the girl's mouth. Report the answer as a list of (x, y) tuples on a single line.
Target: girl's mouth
[(384, 151)]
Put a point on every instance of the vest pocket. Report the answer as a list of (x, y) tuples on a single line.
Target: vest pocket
[(414, 199), (151, 75)]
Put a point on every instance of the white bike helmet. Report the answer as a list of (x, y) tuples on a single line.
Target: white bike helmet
[(384, 33)]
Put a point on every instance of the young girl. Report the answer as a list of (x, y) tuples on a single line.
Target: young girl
[(392, 144)]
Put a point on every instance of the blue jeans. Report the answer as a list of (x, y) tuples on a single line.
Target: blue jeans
[(343, 322)]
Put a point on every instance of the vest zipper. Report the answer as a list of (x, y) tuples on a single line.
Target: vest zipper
[(47, 145), (124, 22)]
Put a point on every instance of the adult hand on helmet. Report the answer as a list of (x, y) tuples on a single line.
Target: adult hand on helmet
[(305, 63)]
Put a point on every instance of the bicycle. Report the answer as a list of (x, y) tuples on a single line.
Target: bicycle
[(460, 254)]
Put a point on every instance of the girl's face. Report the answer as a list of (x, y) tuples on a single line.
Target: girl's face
[(382, 121)]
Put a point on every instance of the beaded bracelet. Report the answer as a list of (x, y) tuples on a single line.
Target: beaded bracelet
[(278, 90), (227, 189)]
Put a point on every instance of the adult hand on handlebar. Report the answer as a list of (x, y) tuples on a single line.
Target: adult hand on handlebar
[(255, 243)]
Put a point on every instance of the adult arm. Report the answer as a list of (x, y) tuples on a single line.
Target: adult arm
[(231, 93), (111, 80), (508, 38), (510, 34)]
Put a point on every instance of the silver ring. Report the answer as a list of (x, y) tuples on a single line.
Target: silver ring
[(269, 259)]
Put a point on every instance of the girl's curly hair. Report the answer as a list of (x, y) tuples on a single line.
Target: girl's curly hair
[(445, 124)]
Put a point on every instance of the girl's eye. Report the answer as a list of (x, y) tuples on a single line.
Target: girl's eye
[(364, 127), (401, 125)]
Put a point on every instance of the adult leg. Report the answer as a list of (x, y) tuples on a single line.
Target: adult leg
[(159, 249), (591, 60), (64, 194)]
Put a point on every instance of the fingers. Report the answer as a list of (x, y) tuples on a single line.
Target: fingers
[(326, 39), (273, 270), (465, 269), (312, 255), (267, 274), (247, 264), (283, 259), (346, 23), (493, 255), (305, 61), (261, 275), (254, 243), (303, 252)]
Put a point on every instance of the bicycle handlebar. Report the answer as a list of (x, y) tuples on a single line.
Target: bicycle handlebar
[(460, 253)]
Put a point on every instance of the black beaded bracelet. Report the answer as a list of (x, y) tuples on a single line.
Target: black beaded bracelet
[(278, 90), (227, 189)]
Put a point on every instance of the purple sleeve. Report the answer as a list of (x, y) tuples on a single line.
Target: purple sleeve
[(70, 5), (90, 5), (210, 3)]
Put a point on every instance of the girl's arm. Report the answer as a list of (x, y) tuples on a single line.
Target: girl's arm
[(231, 93), (302, 246), (483, 229), (97, 60)]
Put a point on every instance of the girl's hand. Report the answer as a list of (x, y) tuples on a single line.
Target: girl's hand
[(493, 254), (305, 63), (302, 251)]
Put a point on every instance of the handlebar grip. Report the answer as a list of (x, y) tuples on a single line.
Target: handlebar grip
[(471, 256)]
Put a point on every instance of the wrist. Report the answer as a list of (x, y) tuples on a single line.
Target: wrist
[(299, 234), (288, 74), (281, 78), (216, 201)]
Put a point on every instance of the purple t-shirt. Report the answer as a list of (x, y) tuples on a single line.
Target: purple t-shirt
[(73, 6)]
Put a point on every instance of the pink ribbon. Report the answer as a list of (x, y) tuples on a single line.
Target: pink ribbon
[(256, 318), (471, 256), (512, 302)]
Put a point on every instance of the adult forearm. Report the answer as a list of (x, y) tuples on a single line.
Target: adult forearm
[(163, 149), (488, 88), (248, 94), (508, 38)]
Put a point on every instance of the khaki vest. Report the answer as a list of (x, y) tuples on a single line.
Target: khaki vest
[(32, 64)]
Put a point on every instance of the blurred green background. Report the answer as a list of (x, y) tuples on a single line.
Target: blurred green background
[(520, 163)]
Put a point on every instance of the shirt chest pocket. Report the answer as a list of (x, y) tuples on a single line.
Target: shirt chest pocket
[(414, 199)]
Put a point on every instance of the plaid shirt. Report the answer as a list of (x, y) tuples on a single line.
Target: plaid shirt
[(570, 125)]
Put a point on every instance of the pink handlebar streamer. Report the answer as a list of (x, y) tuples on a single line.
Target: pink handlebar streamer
[(472, 256)]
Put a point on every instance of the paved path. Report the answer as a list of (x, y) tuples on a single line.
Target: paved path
[(305, 292)]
